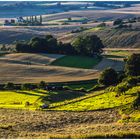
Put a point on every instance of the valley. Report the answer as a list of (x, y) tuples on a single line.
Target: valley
[(69, 70)]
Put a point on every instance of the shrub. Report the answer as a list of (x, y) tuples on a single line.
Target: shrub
[(27, 86), (122, 88), (121, 76), (27, 104), (132, 81), (117, 22), (108, 77), (9, 86), (132, 66), (136, 103), (42, 85)]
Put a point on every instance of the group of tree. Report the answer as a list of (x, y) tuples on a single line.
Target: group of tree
[(132, 69), (25, 86), (82, 45)]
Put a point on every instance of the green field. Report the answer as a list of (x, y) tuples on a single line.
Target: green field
[(103, 101), (71, 100), (77, 62), (18, 99)]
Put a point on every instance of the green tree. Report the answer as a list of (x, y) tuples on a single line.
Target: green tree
[(88, 45), (27, 86), (132, 66), (9, 86), (108, 77), (118, 22), (22, 47), (42, 85)]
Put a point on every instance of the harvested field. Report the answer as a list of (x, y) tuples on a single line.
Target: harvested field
[(20, 68), (34, 124), (96, 14), (23, 67), (115, 63), (30, 58), (11, 34)]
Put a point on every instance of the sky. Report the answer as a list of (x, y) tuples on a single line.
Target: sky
[(69, 0)]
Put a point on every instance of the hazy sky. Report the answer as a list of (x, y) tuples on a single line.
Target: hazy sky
[(69, 0)]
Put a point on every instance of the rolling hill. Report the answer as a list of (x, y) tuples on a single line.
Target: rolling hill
[(27, 67)]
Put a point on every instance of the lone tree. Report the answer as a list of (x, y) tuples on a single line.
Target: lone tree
[(132, 66), (108, 77), (42, 85), (88, 45)]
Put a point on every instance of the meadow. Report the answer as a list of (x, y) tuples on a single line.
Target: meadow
[(77, 61), (99, 114)]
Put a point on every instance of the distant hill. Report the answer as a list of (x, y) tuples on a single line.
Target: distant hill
[(120, 37), (112, 38)]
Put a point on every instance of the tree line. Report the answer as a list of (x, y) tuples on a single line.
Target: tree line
[(82, 45), (132, 71)]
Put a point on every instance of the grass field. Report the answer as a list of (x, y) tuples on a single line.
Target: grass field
[(103, 101), (77, 62), (18, 99), (94, 115)]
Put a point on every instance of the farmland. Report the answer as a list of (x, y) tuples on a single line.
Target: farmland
[(44, 124), (54, 124), (79, 62), (32, 67), (76, 75), (55, 24)]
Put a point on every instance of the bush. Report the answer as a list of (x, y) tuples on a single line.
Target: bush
[(117, 22), (42, 85), (28, 86), (9, 86), (122, 88), (132, 66), (132, 81), (136, 103), (126, 84), (121, 76), (108, 77)]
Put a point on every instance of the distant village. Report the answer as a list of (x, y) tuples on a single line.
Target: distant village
[(20, 21)]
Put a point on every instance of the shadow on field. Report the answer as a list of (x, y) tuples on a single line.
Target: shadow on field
[(59, 96), (24, 92), (113, 56)]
